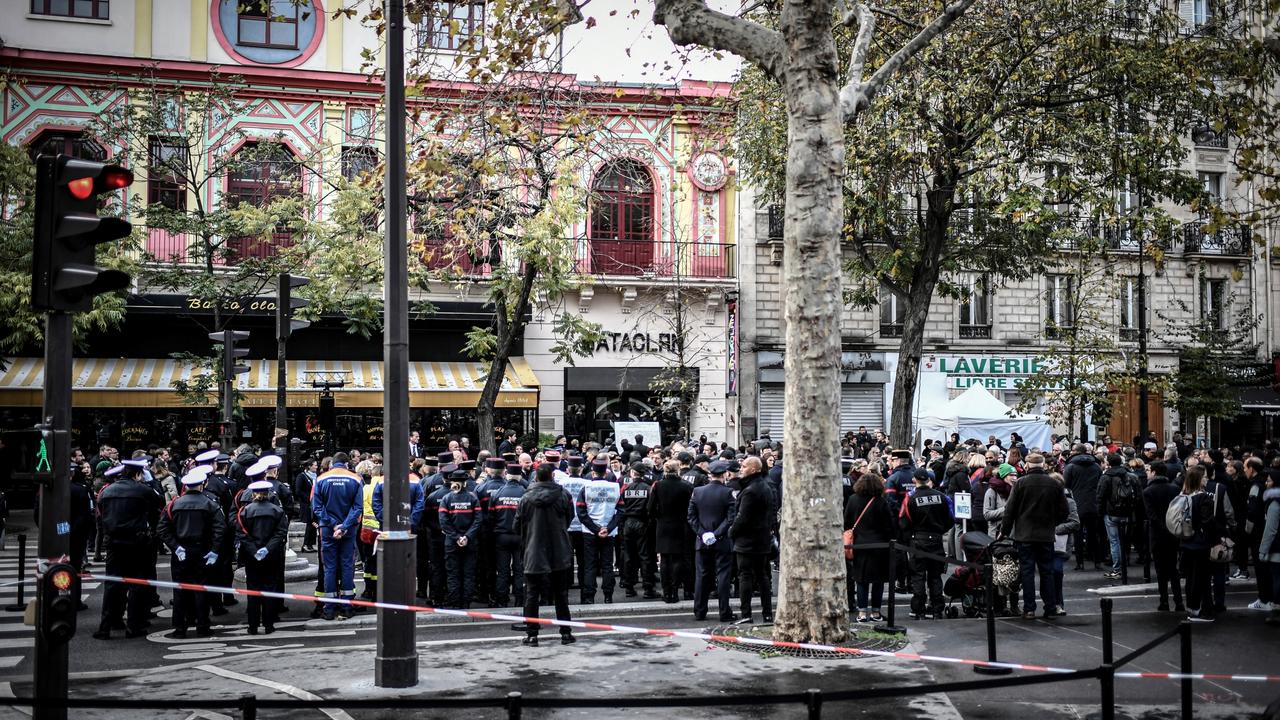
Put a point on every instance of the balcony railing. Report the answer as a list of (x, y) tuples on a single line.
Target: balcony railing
[(777, 222), (975, 332), (1205, 137), (629, 258), (181, 248), (891, 330), (1233, 240), (1129, 334)]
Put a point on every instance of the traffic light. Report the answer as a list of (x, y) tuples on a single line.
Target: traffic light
[(67, 227), (56, 610), (286, 304), (229, 338)]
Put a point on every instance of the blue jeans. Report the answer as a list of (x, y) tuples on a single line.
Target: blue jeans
[(1059, 564), (874, 590), (339, 556), (1115, 526), (1033, 557)]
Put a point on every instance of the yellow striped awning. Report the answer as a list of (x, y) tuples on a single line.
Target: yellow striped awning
[(140, 382)]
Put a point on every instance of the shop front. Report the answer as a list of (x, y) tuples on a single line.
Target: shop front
[(135, 402), (862, 392)]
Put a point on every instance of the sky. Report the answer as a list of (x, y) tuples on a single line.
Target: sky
[(623, 45)]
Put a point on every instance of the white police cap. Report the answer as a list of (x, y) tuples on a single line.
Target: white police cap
[(197, 476), (135, 462), (207, 456), (113, 471), (260, 486), (257, 468), (270, 461)]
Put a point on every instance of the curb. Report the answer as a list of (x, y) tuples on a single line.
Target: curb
[(577, 612), (1123, 589)]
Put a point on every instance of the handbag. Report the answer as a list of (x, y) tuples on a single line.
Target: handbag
[(1221, 552), (849, 534)]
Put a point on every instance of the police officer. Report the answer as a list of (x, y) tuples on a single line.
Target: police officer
[(689, 472), (599, 510), (436, 479), (710, 517), (219, 487), (262, 529), (336, 502), (435, 534), (504, 506), (192, 527), (460, 520), (572, 482), (637, 534), (268, 468), (486, 559), (430, 466), (129, 511), (926, 517)]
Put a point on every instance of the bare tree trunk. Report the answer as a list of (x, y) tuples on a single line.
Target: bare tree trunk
[(907, 378), (507, 332), (812, 604)]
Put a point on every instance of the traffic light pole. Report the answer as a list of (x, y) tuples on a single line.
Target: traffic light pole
[(55, 501), (396, 663)]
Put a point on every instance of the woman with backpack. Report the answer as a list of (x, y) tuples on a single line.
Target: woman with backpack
[(1200, 527), (1269, 547)]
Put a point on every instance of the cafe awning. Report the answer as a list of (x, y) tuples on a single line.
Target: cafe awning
[(139, 382)]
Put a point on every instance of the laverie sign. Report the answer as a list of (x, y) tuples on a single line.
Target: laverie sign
[(993, 372)]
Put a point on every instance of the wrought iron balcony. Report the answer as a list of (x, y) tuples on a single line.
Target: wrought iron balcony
[(891, 330), (975, 332), (1233, 240)]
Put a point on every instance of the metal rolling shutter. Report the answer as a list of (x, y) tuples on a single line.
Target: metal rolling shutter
[(861, 405), (770, 409)]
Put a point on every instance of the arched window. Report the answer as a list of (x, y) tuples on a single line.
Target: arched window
[(622, 209), (263, 172)]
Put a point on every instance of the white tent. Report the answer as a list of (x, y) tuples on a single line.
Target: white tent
[(976, 413)]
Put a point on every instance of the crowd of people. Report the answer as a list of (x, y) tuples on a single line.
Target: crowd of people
[(691, 519)]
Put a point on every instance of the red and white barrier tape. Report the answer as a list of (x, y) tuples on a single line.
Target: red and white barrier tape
[(628, 629)]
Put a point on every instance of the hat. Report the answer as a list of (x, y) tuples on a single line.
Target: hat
[(136, 462), (599, 464), (639, 467), (271, 461), (575, 461), (113, 471), (900, 454), (222, 457), (514, 469), (444, 458), (495, 464), (102, 466), (257, 469), (510, 457), (260, 485), (551, 455), (459, 474), (447, 468), (207, 456), (430, 461), (685, 457), (144, 459), (734, 466), (196, 477), (719, 467), (1005, 470), (700, 458), (1150, 446), (467, 465)]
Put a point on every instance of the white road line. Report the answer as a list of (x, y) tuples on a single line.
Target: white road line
[(297, 692), (8, 662), (6, 691), (20, 642)]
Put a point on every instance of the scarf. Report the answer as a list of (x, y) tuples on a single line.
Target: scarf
[(1001, 486)]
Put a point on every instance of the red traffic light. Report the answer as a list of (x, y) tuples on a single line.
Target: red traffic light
[(81, 189), (62, 580), (115, 178)]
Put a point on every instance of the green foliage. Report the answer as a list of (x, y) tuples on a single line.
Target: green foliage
[(1215, 360), (21, 327)]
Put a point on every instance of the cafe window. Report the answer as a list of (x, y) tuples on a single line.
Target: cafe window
[(84, 9)]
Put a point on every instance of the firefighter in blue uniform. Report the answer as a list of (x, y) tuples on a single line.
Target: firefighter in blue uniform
[(460, 520), (486, 559), (336, 503)]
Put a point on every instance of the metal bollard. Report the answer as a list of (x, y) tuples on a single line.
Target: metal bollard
[(249, 707), (1108, 682), (515, 704), (991, 629), (1108, 648), (889, 625), (21, 604), (1184, 636), (813, 700)]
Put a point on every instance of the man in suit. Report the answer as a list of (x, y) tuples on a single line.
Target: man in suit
[(415, 447), (710, 517), (668, 511)]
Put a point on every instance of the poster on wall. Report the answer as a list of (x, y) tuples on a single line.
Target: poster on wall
[(629, 430)]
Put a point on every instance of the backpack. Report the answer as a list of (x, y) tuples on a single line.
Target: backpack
[(1122, 494), (1178, 520)]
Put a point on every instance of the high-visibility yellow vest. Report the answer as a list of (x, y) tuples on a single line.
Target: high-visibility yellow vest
[(367, 519)]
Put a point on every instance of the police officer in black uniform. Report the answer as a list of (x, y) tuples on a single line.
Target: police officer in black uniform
[(504, 506), (925, 517), (219, 487), (710, 517), (460, 520), (192, 527), (129, 511), (430, 468), (486, 557), (262, 530), (637, 534)]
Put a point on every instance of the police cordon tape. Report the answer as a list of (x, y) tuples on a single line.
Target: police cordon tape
[(628, 629)]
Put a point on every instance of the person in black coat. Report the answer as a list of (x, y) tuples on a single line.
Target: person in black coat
[(925, 516), (869, 568), (710, 515), (1156, 496), (302, 484), (542, 522), (262, 531), (752, 534), (668, 510), (1081, 476)]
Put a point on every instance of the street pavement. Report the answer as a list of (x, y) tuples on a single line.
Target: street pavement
[(461, 658)]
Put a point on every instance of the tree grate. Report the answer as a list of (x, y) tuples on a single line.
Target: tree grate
[(863, 639)]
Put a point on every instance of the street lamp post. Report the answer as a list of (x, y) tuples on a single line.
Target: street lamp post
[(396, 663)]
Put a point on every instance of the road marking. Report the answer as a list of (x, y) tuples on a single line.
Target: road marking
[(8, 662), (6, 691), (297, 692), (29, 642)]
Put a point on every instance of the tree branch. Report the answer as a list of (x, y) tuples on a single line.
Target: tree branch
[(866, 29), (691, 22), (856, 95)]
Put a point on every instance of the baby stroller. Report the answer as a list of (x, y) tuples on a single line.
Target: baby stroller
[(967, 584)]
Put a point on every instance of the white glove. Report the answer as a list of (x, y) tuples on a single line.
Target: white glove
[(180, 553), (708, 538), (262, 552), (210, 558)]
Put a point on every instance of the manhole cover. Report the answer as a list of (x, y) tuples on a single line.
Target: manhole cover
[(862, 638)]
